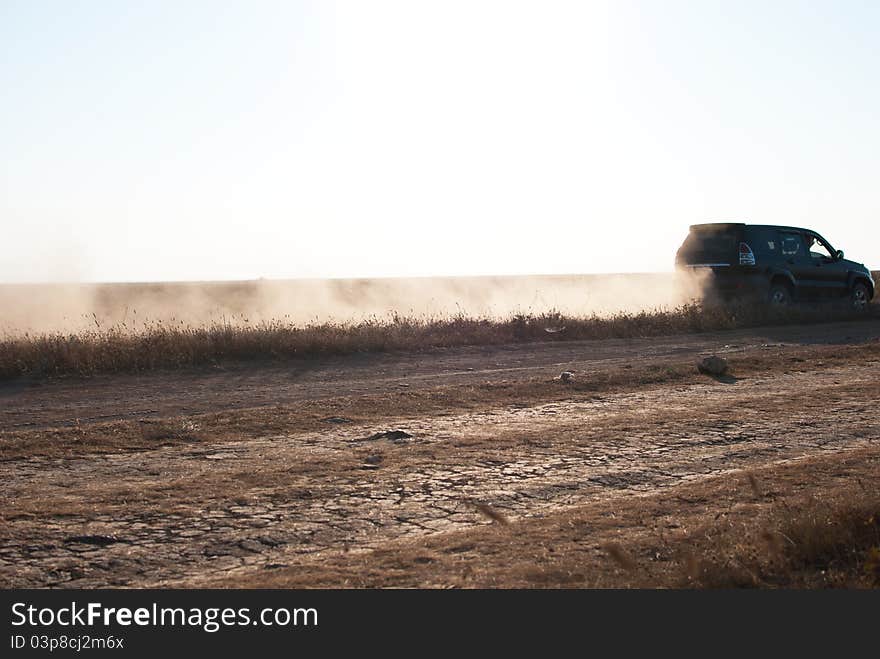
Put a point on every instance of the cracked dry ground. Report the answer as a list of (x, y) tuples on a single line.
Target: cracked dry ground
[(190, 511)]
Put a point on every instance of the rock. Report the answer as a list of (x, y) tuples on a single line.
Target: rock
[(393, 435), (373, 459), (97, 540), (566, 376), (713, 365), (251, 545)]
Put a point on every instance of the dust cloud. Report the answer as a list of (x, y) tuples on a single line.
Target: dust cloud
[(43, 308)]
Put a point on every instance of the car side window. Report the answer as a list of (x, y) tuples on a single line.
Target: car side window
[(764, 242), (818, 249), (791, 244)]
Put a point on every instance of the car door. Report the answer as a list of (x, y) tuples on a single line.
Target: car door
[(796, 258), (828, 271)]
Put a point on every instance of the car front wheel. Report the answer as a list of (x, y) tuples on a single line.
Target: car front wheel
[(859, 296)]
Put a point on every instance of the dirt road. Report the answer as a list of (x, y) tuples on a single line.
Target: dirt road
[(365, 458), (26, 404)]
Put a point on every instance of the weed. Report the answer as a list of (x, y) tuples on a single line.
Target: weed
[(121, 349)]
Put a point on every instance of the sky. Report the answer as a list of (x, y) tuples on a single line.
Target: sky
[(196, 139)]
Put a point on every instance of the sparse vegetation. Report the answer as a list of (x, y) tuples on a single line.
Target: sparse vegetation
[(158, 345), (821, 544)]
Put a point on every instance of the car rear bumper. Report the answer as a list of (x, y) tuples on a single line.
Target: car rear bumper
[(732, 282)]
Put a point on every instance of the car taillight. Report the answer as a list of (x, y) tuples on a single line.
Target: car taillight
[(746, 255)]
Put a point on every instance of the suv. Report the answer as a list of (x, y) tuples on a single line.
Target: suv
[(777, 264)]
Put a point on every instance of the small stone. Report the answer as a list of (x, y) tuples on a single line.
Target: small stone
[(713, 365), (393, 435), (97, 540)]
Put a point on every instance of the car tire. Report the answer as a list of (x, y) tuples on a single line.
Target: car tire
[(859, 296), (779, 296)]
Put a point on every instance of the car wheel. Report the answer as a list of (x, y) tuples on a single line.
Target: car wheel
[(859, 296), (779, 296)]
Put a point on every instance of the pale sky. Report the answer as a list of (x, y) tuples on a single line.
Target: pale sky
[(232, 140)]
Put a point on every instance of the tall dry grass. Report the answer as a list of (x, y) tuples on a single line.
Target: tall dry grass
[(823, 543), (159, 345)]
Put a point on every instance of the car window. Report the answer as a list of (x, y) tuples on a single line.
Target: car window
[(819, 249), (791, 244), (706, 245), (764, 242)]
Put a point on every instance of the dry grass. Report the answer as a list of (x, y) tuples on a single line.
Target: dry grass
[(169, 430), (820, 544), (159, 345), (841, 538)]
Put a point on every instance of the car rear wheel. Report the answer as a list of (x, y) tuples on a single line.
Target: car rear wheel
[(859, 296), (779, 296)]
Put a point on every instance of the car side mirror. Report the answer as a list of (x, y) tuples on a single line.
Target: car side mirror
[(838, 254)]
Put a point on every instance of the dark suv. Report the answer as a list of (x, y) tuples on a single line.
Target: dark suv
[(778, 264)]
